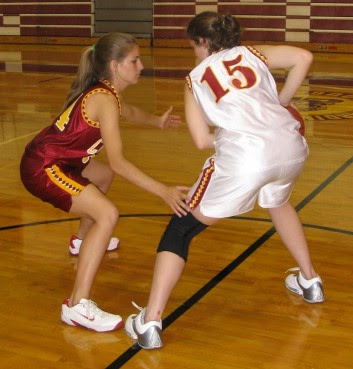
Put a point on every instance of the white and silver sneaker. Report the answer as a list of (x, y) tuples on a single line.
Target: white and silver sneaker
[(87, 314), (311, 290), (148, 335), (75, 244)]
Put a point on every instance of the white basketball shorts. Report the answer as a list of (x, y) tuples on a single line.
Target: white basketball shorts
[(226, 196)]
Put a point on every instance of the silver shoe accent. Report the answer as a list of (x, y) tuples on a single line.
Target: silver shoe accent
[(148, 335), (151, 338), (312, 294)]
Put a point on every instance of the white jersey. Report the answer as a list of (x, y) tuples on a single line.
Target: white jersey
[(238, 96), (259, 150)]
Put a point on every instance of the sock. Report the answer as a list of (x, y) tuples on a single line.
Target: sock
[(306, 283)]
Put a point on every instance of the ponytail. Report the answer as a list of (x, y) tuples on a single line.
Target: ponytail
[(94, 62), (85, 77)]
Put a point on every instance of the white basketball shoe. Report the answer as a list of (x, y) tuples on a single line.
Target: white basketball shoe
[(75, 244), (311, 290), (87, 314), (148, 335)]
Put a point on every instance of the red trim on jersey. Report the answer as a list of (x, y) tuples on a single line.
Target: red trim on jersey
[(202, 186), (107, 89), (258, 54), (188, 82), (89, 121), (115, 92)]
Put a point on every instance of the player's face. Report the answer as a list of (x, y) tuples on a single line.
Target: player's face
[(130, 68), (200, 50)]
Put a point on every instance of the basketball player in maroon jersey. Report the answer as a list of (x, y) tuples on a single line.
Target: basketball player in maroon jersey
[(58, 165)]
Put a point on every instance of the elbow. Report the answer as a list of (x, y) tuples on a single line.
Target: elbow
[(117, 166), (116, 169), (307, 57), (302, 60)]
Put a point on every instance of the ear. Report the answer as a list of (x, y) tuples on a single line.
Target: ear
[(113, 65), (203, 42)]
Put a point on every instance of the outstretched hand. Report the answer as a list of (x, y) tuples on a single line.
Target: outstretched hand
[(175, 198), (169, 120)]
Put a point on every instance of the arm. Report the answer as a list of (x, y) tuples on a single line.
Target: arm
[(298, 62), (165, 121), (198, 127), (106, 111)]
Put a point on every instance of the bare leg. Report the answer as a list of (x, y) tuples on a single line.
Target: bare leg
[(84, 226), (92, 203), (290, 229), (167, 271), (169, 266), (101, 176)]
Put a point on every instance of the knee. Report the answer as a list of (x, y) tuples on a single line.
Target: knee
[(113, 215), (109, 216), (179, 233)]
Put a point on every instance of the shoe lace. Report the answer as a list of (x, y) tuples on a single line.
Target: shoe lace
[(92, 310), (295, 269), (136, 306)]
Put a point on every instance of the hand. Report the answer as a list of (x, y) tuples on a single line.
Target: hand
[(175, 198), (168, 120), (297, 116)]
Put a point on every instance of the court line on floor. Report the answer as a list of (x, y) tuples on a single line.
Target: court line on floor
[(142, 215), (129, 353), (182, 309), (19, 137), (178, 73)]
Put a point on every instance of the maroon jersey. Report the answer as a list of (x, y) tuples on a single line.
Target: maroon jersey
[(54, 159)]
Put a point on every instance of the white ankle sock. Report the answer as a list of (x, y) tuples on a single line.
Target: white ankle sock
[(306, 283)]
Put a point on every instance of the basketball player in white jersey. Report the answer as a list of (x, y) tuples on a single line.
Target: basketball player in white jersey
[(259, 154)]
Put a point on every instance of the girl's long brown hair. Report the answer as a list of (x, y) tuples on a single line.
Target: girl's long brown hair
[(95, 60), (222, 31)]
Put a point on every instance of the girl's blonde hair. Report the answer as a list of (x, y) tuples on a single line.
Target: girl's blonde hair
[(94, 62)]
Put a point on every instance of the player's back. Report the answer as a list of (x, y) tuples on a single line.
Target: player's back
[(238, 94)]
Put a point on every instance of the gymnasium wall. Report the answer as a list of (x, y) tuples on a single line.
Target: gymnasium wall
[(317, 21), (302, 21), (46, 18), (132, 16), (79, 18)]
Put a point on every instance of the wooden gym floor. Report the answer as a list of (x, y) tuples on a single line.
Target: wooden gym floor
[(230, 309)]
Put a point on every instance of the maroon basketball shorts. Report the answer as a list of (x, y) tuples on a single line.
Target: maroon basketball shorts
[(55, 185)]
